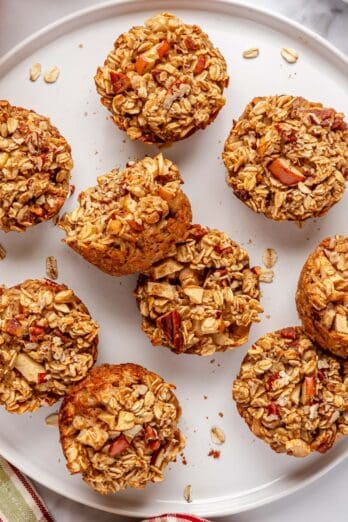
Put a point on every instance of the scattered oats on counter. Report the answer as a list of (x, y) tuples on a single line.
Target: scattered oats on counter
[(269, 257), (51, 267), (253, 52), (188, 493), (34, 72), (289, 55), (266, 276), (51, 75), (217, 435), (3, 252), (52, 420)]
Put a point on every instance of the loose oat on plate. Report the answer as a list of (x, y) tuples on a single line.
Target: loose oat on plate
[(119, 427), (48, 341), (287, 158), (131, 218), (163, 80), (35, 165), (291, 394), (322, 295), (202, 298)]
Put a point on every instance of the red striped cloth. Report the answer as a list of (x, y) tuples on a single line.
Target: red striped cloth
[(20, 502), (176, 517)]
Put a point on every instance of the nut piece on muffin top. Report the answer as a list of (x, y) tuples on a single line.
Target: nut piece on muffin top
[(202, 298), (163, 80), (35, 165), (48, 341), (119, 429), (292, 395), (287, 157), (131, 218), (322, 295)]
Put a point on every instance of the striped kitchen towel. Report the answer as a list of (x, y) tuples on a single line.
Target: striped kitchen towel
[(176, 517), (19, 501)]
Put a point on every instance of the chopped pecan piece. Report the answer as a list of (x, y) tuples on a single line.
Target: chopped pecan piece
[(170, 323)]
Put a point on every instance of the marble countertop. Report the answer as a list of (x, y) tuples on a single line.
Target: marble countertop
[(325, 499)]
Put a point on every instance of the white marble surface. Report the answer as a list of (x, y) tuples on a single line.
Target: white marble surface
[(325, 499)]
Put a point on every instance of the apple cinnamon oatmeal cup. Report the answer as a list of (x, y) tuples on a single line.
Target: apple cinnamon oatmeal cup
[(118, 427), (163, 80), (48, 341), (35, 165), (322, 295), (287, 157), (292, 395), (131, 218), (202, 298)]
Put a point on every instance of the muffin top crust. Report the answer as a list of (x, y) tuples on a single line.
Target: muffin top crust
[(35, 165), (48, 341), (203, 297), (291, 394), (322, 295), (140, 206), (163, 80), (288, 157), (119, 427)]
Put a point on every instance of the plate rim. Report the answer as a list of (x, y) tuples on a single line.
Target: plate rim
[(80, 18)]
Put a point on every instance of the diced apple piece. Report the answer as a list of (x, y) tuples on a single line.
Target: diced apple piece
[(30, 369), (166, 268), (286, 173), (162, 290), (195, 293)]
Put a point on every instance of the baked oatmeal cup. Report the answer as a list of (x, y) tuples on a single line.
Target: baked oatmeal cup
[(118, 427), (287, 158), (48, 341), (292, 395), (202, 298), (131, 218), (322, 295), (35, 165), (163, 81)]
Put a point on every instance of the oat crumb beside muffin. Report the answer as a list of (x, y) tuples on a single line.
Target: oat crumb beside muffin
[(48, 341), (291, 394), (131, 218), (35, 165), (119, 429), (163, 80), (202, 298), (322, 295), (287, 157)]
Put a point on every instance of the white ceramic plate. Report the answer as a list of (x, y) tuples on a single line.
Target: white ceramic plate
[(248, 473)]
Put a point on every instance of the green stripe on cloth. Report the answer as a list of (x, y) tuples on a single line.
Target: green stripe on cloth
[(12, 504)]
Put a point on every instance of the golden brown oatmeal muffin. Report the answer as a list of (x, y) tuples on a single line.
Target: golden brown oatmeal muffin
[(48, 341), (202, 298), (119, 429), (35, 165), (163, 80), (131, 218), (287, 157), (292, 395), (322, 295)]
